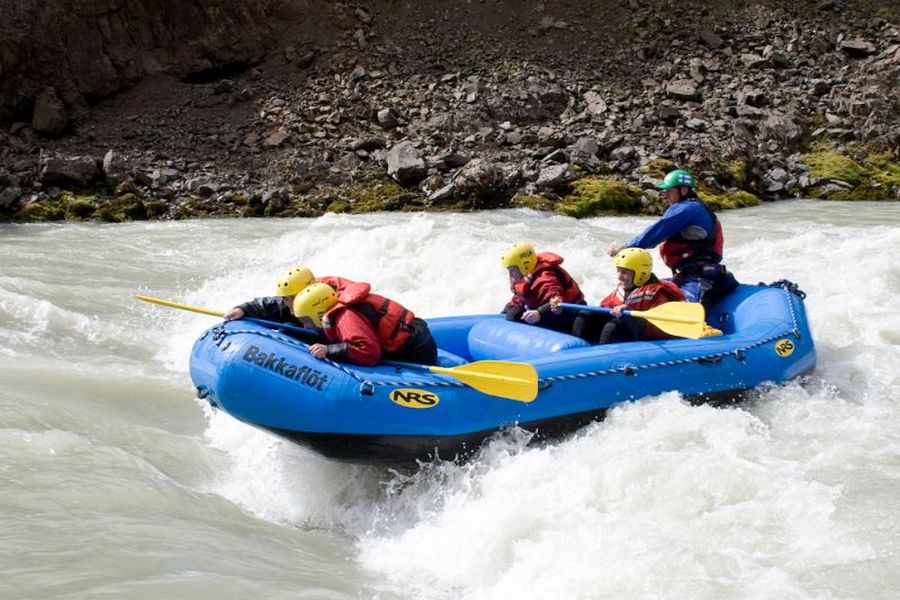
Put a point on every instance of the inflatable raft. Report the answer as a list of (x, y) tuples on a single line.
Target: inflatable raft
[(396, 415)]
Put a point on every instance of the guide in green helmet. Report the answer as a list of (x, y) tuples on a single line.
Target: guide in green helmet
[(690, 240), (677, 178)]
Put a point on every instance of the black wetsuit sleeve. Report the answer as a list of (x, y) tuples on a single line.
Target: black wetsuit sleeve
[(270, 308), (513, 312)]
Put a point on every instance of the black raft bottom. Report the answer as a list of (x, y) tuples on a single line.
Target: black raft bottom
[(410, 450)]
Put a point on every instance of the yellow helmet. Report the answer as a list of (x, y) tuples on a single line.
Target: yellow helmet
[(293, 281), (522, 255), (638, 261), (314, 301)]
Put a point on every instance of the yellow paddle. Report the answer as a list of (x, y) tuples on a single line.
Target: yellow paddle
[(504, 379), (681, 319)]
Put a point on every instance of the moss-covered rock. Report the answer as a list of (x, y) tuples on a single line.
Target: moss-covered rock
[(338, 206), (127, 207), (727, 200), (382, 195), (884, 168), (591, 196), (79, 209), (155, 208), (872, 177), (826, 162), (536, 202), (40, 212)]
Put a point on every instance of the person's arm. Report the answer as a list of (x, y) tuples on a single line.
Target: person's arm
[(676, 218), (357, 342), (270, 308)]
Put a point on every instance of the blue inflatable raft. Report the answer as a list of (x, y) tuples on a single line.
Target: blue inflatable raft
[(394, 415)]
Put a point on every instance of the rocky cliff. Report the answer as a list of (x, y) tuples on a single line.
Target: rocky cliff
[(157, 108)]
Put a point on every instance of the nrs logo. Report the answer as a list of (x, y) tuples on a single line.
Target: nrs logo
[(784, 348), (411, 398)]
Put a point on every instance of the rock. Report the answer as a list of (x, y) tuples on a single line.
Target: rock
[(114, 167), (77, 170), (711, 40), (752, 61), (367, 144), (9, 197), (682, 89), (696, 124), (276, 138), (452, 160), (783, 128), (161, 177), (555, 176), (404, 164), (387, 118), (50, 117), (669, 115), (596, 105), (857, 48), (443, 195), (479, 177)]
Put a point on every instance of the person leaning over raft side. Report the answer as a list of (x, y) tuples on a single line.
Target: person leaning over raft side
[(363, 327), (278, 307), (539, 284), (692, 241), (638, 289)]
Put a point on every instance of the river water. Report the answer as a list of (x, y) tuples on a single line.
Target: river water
[(115, 482)]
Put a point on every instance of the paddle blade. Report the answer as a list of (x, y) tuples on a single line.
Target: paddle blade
[(681, 319), (170, 304), (510, 380)]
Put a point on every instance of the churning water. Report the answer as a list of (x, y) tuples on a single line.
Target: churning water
[(116, 483)]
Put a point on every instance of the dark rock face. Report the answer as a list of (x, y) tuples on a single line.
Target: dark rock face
[(89, 49)]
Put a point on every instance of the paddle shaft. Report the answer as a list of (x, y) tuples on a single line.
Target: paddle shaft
[(219, 313), (596, 309)]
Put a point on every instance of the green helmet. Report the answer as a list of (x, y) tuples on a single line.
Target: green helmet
[(676, 178)]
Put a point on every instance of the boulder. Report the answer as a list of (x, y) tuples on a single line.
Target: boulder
[(405, 165)]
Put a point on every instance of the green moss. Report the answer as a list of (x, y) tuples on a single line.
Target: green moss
[(828, 163), (592, 196), (737, 169), (657, 168), (727, 200), (39, 212), (873, 177), (338, 206), (80, 208), (155, 208), (381, 195), (127, 207), (534, 202), (885, 169)]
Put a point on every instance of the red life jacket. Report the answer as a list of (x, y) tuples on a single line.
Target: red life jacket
[(532, 290), (338, 283), (653, 293), (678, 250), (389, 319)]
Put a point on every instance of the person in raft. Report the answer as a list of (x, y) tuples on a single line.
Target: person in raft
[(692, 241), (539, 284), (278, 307), (638, 289), (363, 327)]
